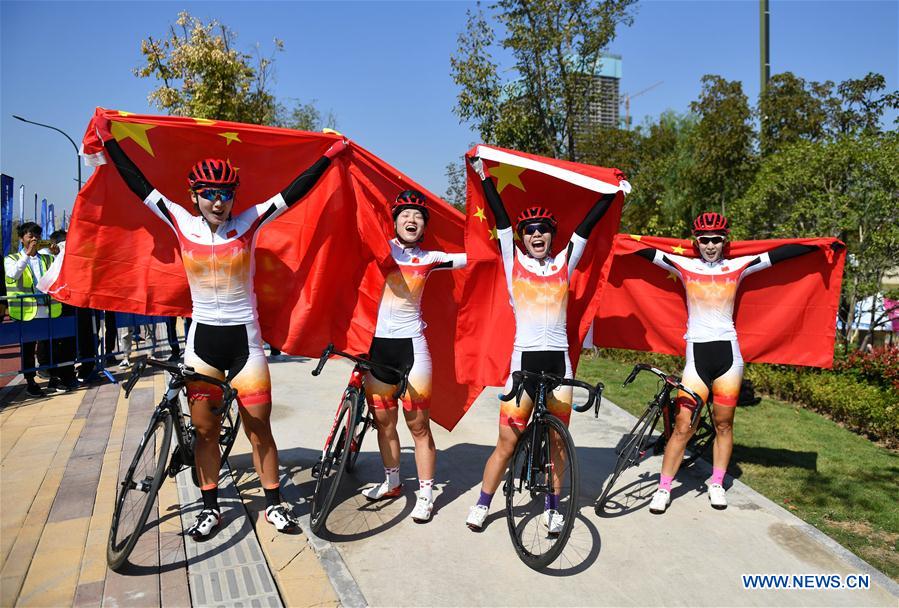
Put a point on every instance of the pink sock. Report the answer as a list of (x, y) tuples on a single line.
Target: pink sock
[(718, 475), (665, 482)]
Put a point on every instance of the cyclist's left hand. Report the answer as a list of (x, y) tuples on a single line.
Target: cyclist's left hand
[(337, 147)]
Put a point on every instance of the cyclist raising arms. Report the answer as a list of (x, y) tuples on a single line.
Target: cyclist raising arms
[(538, 284), (224, 339), (399, 342), (714, 363)]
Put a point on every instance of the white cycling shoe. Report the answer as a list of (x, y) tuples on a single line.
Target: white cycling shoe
[(422, 511), (553, 521), (207, 521), (476, 517), (660, 501), (717, 496), (281, 517), (381, 491)]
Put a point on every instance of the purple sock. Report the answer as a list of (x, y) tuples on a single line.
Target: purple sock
[(718, 475), (665, 482), (551, 502), (484, 499)]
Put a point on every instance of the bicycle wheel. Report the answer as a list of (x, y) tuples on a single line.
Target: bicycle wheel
[(363, 421), (136, 493), (700, 441), (544, 464), (330, 467), (634, 447)]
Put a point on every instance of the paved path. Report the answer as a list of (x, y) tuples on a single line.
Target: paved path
[(61, 457)]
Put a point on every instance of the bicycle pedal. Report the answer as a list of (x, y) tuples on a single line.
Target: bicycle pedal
[(316, 470)]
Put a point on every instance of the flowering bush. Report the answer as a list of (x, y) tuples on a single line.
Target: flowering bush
[(880, 366)]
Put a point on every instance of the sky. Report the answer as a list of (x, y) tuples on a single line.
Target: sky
[(382, 68)]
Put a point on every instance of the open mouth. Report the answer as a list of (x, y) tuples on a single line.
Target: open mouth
[(538, 244), (411, 228)]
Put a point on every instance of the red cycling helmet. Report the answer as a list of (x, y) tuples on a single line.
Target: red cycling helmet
[(710, 222), (410, 199), (213, 172), (536, 214)]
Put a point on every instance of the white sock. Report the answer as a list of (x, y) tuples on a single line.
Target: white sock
[(426, 489), (392, 475)]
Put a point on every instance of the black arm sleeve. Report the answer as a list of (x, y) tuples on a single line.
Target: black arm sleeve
[(301, 186), (496, 204), (648, 253), (128, 170), (594, 215), (785, 252)]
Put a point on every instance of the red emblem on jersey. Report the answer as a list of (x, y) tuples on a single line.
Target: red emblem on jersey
[(553, 268), (415, 260), (231, 234), (725, 269)]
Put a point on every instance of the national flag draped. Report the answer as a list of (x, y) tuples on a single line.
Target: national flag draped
[(486, 325), (783, 314), (320, 267)]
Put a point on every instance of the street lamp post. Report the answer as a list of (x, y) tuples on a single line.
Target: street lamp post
[(74, 145)]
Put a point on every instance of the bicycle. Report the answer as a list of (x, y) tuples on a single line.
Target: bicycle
[(152, 462), (544, 463), (344, 441), (639, 441)]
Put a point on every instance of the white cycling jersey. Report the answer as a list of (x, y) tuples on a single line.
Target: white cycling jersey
[(711, 291), (539, 292), (220, 265), (399, 315)]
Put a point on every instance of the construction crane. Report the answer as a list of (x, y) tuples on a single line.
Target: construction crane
[(626, 100)]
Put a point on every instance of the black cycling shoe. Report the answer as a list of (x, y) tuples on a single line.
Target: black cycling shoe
[(208, 520)]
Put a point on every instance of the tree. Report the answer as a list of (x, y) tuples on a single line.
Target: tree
[(846, 188), (721, 143), (860, 105), (202, 74), (456, 185), (556, 48), (792, 109)]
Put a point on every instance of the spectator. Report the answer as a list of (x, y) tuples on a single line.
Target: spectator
[(23, 269), (62, 377)]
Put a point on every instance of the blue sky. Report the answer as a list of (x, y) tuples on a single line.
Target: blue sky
[(383, 67)]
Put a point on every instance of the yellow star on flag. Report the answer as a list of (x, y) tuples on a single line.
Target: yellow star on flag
[(672, 276), (507, 175), (133, 130), (480, 214), (231, 136), (204, 121), (678, 250), (636, 237), (124, 113), (515, 236), (493, 234)]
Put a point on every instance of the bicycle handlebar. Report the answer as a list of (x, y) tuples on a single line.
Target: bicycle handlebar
[(182, 373), (670, 381), (552, 381), (366, 364)]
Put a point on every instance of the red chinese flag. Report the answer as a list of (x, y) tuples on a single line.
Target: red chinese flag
[(783, 314), (320, 266), (486, 327)]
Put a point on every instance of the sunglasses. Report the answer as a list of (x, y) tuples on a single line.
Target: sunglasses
[(714, 240), (535, 228), (223, 194)]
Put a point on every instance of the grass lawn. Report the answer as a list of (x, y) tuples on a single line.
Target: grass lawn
[(839, 482)]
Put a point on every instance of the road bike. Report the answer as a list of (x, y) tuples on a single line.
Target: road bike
[(154, 458), (641, 439), (543, 472), (344, 440)]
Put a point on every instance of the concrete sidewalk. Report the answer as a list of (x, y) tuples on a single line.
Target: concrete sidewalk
[(61, 458)]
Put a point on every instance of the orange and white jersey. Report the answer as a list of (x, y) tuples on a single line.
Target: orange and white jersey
[(711, 291), (220, 265), (539, 292), (399, 315)]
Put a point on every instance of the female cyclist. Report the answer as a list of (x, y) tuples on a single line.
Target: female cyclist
[(538, 284), (714, 363), (224, 338), (399, 342)]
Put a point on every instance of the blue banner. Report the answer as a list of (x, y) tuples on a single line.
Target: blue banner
[(51, 221), (6, 207), (44, 217)]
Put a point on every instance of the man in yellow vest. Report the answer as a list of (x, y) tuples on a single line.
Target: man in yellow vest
[(26, 302)]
